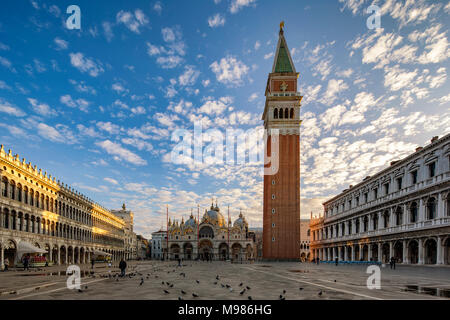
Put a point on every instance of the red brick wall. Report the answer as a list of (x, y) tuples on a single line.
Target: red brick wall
[(286, 203)]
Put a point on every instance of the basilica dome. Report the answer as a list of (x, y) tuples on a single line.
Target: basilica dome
[(240, 222), (191, 222), (214, 217)]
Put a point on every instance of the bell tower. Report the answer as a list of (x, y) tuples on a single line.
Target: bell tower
[(281, 220)]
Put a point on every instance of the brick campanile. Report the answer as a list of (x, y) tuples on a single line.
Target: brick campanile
[(281, 220)]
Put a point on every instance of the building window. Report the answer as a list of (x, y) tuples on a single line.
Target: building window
[(273, 196), (273, 182), (273, 210), (386, 188), (366, 197), (431, 208), (273, 225), (357, 201), (413, 212), (273, 239), (386, 219), (432, 169), (275, 113), (375, 193), (414, 177), (399, 183)]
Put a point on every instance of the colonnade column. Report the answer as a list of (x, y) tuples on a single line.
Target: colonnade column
[(420, 251), (439, 250), (391, 250), (2, 258), (59, 257), (345, 253), (380, 252), (339, 253), (353, 252), (369, 252), (405, 256)]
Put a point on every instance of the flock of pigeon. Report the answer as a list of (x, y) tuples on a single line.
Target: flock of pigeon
[(170, 288)]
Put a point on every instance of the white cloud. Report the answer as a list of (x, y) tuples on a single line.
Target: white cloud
[(107, 30), (111, 180), (215, 106), (396, 78), (132, 22), (169, 62), (81, 86), (333, 89), (216, 21), (41, 108), (257, 45), (80, 103), (119, 88), (108, 127), (120, 153), (268, 55), (253, 97), (157, 7), (86, 64), (189, 77), (61, 44), (237, 5), (10, 109), (229, 70)]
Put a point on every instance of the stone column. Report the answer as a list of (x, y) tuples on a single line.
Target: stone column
[(2, 257), (369, 251), (353, 252), (59, 256), (405, 254), (440, 207), (439, 255), (66, 255), (391, 249), (421, 250), (73, 255), (380, 252), (345, 253), (421, 216)]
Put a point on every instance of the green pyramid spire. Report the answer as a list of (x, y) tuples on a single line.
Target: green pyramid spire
[(283, 63)]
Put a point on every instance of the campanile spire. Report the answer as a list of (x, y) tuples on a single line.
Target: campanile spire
[(281, 219)]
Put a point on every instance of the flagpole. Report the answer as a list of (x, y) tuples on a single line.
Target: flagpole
[(228, 255), (167, 223), (198, 224)]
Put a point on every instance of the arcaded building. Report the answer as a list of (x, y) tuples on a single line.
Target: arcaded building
[(36, 211), (402, 211), (213, 238), (281, 207)]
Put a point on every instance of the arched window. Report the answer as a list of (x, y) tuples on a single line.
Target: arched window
[(292, 113), (281, 113), (357, 225), (37, 199), (19, 192), (366, 224), (431, 208), (386, 219), (350, 227), (12, 189), (413, 212), (31, 197), (4, 187), (399, 217), (25, 195), (375, 221), (308, 233), (275, 113), (286, 113)]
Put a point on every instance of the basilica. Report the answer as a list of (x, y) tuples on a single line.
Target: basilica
[(213, 238)]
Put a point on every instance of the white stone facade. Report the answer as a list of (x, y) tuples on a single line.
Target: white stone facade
[(401, 212)]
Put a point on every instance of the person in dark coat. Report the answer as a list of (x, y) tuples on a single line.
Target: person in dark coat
[(122, 267), (392, 263), (26, 263), (92, 263)]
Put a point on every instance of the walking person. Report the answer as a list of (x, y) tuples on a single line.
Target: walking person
[(122, 267), (26, 262), (6, 263), (92, 263), (393, 263)]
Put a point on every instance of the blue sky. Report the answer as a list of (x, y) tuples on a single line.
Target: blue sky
[(96, 107)]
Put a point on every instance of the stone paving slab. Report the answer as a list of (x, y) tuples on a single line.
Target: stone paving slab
[(291, 280)]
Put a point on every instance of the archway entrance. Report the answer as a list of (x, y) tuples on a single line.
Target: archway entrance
[(413, 252), (385, 253), (55, 254), (374, 252), (188, 251), (356, 253), (206, 250), (446, 251), (349, 253), (10, 252), (236, 251), (365, 253), (174, 251), (223, 251), (398, 251), (430, 247)]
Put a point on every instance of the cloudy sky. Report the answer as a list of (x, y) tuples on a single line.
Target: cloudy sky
[(97, 107)]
